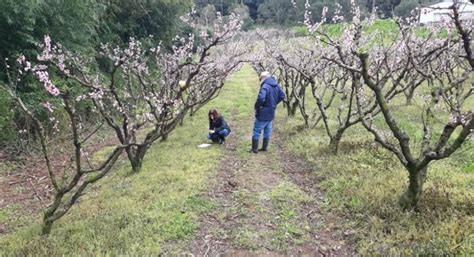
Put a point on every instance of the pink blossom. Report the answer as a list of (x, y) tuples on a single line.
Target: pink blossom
[(46, 55), (43, 76), (48, 106)]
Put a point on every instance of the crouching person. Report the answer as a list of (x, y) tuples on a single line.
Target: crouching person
[(218, 127)]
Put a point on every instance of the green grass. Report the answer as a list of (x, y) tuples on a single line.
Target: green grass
[(150, 213), (4, 215), (8, 134), (364, 182), (287, 195), (157, 211), (248, 238), (133, 214), (335, 30), (287, 198)]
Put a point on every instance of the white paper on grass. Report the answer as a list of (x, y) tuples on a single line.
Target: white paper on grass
[(204, 145)]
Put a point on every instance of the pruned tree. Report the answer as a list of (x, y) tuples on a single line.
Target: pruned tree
[(332, 88), (140, 96), (292, 79), (69, 178), (228, 58), (333, 91), (385, 68), (258, 58)]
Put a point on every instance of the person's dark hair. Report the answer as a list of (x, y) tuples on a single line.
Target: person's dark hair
[(214, 113)]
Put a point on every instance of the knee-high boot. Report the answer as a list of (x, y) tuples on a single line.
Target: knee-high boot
[(265, 145), (254, 146)]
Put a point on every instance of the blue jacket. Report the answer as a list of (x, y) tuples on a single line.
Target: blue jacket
[(219, 124), (268, 98)]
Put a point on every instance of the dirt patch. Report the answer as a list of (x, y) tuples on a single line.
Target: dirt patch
[(248, 221), (328, 240), (25, 187)]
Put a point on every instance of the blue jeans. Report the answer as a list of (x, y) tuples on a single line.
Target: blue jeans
[(216, 135), (257, 129)]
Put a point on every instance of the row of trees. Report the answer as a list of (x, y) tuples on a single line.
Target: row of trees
[(84, 25), (79, 26), (140, 91), (358, 76), (139, 94)]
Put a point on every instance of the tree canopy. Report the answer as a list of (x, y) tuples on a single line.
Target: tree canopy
[(290, 12)]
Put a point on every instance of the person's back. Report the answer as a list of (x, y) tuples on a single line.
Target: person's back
[(269, 96)]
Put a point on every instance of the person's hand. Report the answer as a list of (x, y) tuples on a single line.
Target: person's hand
[(211, 131)]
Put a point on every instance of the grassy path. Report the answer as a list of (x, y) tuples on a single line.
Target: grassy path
[(225, 201), (216, 201), (265, 204)]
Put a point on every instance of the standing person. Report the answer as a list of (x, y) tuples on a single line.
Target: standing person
[(218, 127), (269, 96)]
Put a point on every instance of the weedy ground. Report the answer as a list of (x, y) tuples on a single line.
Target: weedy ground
[(295, 199), (363, 183)]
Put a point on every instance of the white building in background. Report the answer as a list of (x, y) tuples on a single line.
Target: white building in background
[(440, 11)]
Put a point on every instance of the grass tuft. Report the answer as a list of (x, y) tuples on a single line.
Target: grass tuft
[(364, 182), (150, 213)]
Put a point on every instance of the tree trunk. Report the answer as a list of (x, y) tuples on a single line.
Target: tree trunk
[(335, 140), (135, 156), (136, 165), (409, 97), (410, 198), (334, 144), (46, 227), (306, 120), (49, 215), (294, 107), (288, 107)]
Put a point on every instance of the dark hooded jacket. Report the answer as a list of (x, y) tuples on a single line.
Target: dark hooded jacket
[(218, 124), (268, 98)]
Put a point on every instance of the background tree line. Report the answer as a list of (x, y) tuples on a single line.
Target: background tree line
[(85, 25), (287, 12), (79, 26), (130, 86)]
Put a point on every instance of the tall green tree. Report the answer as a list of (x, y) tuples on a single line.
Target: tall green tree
[(284, 12), (222, 6), (17, 24), (80, 26), (253, 6), (24, 23), (407, 6), (124, 19), (276, 11)]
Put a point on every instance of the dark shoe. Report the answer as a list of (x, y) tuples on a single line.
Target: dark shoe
[(254, 146), (264, 146), (221, 140)]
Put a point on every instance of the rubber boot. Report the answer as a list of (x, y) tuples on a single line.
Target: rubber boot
[(221, 140), (265, 145), (215, 139), (254, 146)]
